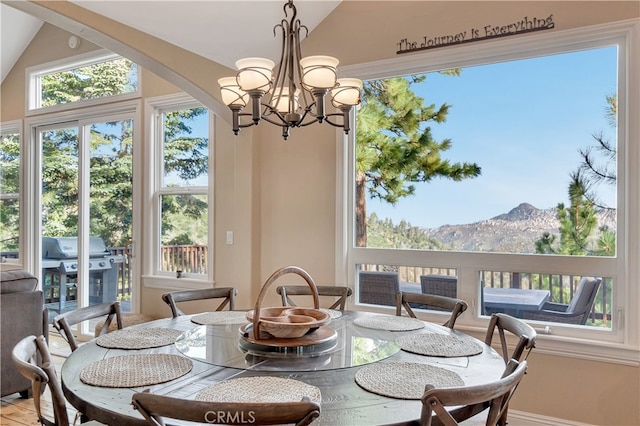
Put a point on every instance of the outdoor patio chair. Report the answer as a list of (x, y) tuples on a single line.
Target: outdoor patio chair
[(441, 285), (228, 295), (156, 407), (378, 288), (430, 301), (25, 355), (524, 332), (342, 293), (473, 399), (576, 312), (63, 322)]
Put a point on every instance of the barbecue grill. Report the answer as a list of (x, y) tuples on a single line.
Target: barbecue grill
[(60, 269)]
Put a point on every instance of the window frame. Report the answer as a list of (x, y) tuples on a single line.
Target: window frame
[(33, 74), (621, 343), (152, 275)]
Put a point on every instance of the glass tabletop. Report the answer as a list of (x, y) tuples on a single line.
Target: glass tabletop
[(347, 345)]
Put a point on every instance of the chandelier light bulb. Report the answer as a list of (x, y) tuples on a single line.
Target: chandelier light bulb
[(280, 99)]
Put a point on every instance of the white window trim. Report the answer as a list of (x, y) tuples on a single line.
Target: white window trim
[(31, 169), (151, 275), (33, 87), (621, 344)]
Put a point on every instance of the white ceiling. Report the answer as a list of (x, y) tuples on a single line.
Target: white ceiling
[(220, 30)]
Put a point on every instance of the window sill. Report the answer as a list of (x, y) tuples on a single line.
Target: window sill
[(173, 283)]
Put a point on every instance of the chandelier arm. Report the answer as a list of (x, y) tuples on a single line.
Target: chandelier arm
[(345, 119)]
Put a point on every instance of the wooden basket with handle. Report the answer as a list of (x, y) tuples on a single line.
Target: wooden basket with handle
[(287, 322)]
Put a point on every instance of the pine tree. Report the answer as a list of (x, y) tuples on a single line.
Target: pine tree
[(394, 147)]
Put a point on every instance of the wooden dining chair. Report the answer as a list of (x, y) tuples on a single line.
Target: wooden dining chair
[(65, 321), (472, 400), (228, 295), (429, 301), (524, 332), (155, 408), (342, 293), (42, 373)]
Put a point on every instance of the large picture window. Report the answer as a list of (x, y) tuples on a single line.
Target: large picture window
[(498, 173)]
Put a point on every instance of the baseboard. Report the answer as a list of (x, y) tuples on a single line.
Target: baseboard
[(521, 418)]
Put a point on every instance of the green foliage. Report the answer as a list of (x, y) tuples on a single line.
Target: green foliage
[(9, 183), (88, 82), (395, 147), (384, 234), (111, 161), (579, 234)]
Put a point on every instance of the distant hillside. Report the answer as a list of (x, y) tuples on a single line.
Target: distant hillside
[(514, 232)]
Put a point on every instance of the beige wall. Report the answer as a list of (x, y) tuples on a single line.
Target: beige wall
[(279, 197)]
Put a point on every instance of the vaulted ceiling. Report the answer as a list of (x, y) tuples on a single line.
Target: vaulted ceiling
[(222, 31)]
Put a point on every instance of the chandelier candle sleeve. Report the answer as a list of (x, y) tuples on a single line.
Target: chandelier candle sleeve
[(255, 74), (297, 90), (318, 72)]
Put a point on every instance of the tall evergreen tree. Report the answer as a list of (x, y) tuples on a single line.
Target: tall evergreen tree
[(395, 147)]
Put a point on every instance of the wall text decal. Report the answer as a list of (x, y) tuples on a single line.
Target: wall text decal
[(525, 25)]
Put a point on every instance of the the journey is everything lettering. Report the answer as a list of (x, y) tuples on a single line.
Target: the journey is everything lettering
[(524, 25)]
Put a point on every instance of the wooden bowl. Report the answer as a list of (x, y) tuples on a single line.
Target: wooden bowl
[(290, 323)]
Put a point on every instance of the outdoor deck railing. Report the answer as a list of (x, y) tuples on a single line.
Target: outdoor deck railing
[(561, 287)]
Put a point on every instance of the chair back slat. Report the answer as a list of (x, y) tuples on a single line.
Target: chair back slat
[(342, 294), (65, 321), (25, 355), (495, 396), (227, 294), (525, 334), (430, 301), (155, 408)]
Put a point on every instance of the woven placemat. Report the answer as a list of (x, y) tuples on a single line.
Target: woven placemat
[(333, 313), (443, 345), (404, 380), (138, 338), (259, 389), (220, 318), (390, 322), (130, 371)]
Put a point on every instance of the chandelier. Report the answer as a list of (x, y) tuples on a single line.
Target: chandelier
[(295, 96)]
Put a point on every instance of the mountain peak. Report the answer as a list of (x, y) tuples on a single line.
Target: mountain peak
[(524, 211)]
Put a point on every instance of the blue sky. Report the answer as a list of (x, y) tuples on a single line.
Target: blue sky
[(523, 122)]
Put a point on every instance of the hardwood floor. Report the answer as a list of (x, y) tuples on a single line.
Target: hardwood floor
[(16, 411)]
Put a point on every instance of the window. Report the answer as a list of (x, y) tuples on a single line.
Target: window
[(533, 132), (10, 190), (182, 133), (88, 79)]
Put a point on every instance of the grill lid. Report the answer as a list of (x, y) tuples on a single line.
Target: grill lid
[(67, 247)]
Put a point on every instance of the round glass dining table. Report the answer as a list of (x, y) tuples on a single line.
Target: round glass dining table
[(223, 351)]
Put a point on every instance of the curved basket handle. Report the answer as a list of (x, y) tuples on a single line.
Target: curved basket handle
[(277, 274)]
